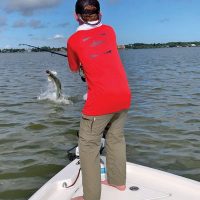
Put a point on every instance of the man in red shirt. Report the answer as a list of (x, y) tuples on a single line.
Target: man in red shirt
[(93, 48)]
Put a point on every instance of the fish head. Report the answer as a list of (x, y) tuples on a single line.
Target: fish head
[(51, 72)]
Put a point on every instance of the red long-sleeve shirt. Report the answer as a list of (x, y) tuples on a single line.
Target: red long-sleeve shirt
[(96, 50)]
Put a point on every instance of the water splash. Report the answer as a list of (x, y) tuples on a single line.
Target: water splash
[(49, 94)]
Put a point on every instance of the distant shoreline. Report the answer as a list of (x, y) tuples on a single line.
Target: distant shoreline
[(160, 45), (123, 46)]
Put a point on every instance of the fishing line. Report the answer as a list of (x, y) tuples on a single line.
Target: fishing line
[(45, 50), (81, 73)]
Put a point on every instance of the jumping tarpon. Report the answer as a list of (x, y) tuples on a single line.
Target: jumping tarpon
[(52, 77)]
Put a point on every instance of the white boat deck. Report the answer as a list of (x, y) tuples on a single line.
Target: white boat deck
[(152, 185)]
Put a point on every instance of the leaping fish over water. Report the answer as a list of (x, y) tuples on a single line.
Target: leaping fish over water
[(52, 77)]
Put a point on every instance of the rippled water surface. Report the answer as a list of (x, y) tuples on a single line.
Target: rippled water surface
[(162, 130)]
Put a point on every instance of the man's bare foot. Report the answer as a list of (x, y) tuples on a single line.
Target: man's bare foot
[(121, 187), (78, 198)]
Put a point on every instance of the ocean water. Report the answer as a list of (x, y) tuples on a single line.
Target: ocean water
[(162, 130)]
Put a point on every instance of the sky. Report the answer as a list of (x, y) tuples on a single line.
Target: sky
[(51, 22)]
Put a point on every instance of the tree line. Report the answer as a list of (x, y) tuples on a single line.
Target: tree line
[(41, 49), (127, 46), (162, 45)]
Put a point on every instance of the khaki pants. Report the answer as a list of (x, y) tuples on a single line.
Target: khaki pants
[(91, 129)]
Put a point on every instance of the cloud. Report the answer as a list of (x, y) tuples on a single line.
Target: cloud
[(58, 36), (3, 21), (164, 20), (7, 46), (28, 7), (19, 24), (63, 25), (34, 24)]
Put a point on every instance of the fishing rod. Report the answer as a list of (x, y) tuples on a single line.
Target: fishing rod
[(46, 50), (81, 74)]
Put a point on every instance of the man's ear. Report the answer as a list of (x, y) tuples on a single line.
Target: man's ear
[(76, 17), (79, 19)]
